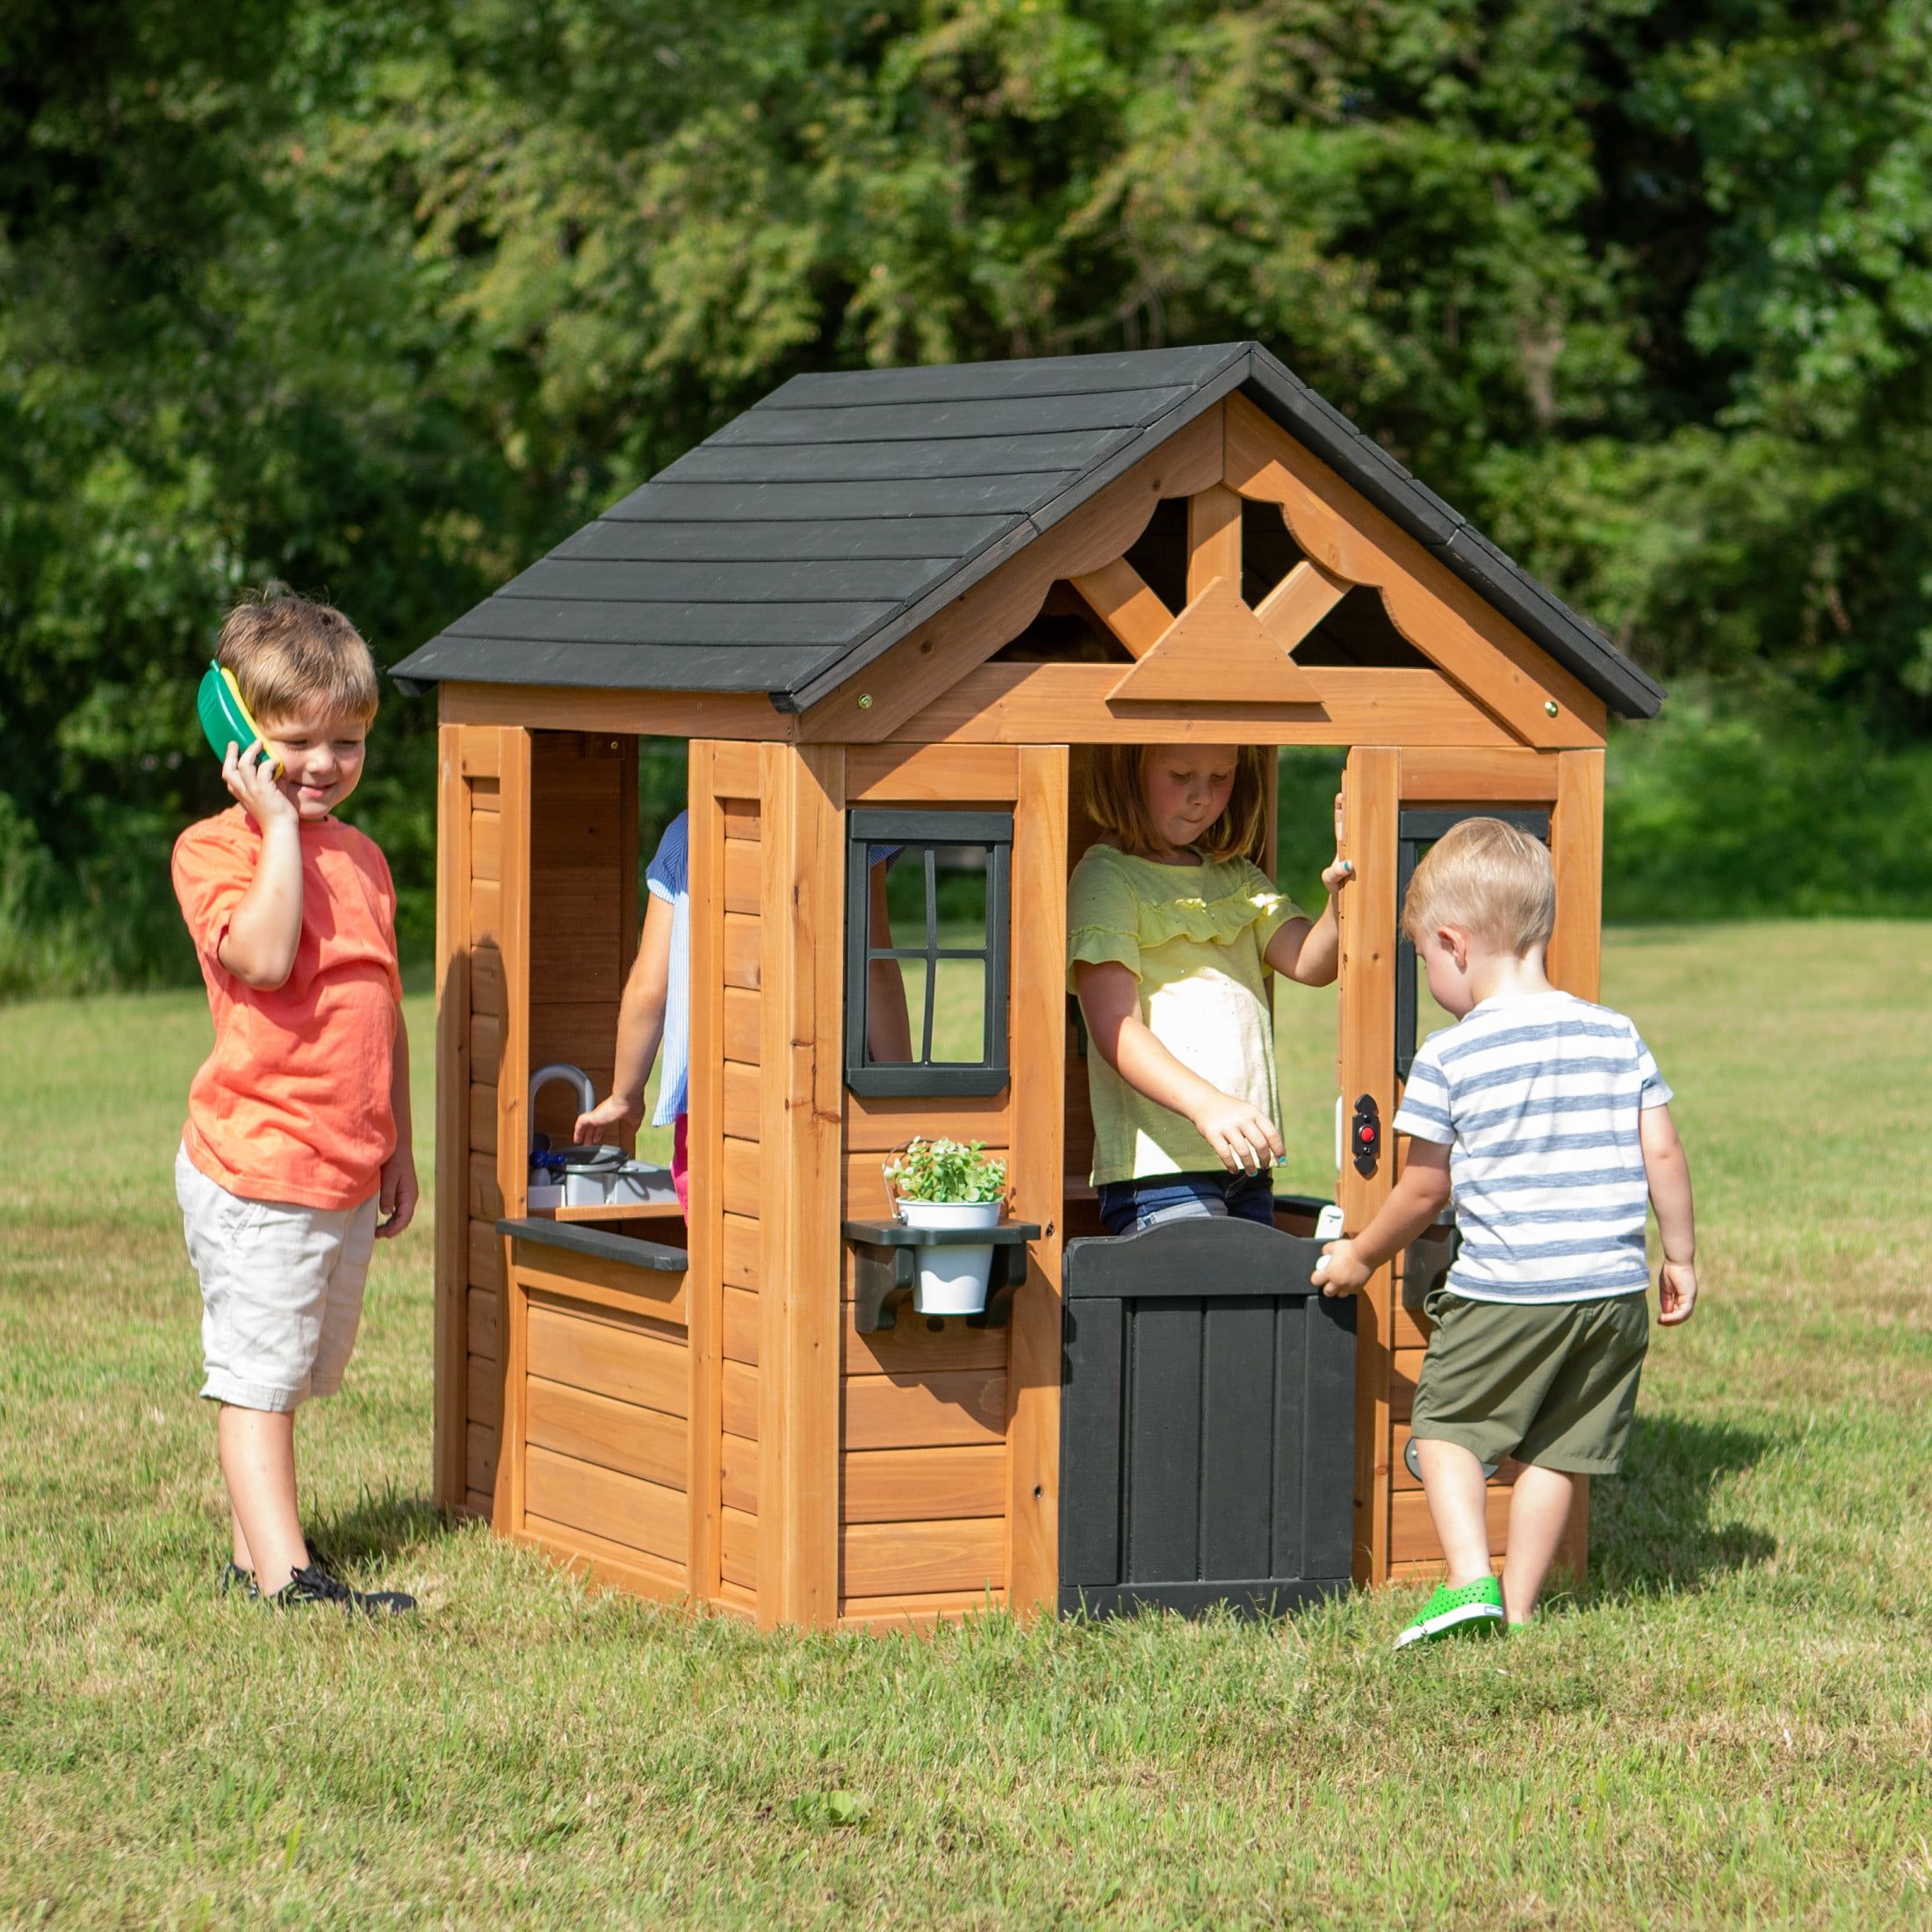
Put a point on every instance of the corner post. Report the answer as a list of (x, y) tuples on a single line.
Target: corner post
[(448, 1455), (1371, 812), (1037, 1032), (512, 1111), (802, 804)]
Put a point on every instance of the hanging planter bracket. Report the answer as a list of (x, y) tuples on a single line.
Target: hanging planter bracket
[(886, 1265)]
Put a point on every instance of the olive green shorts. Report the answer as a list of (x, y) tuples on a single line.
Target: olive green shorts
[(1550, 1382)]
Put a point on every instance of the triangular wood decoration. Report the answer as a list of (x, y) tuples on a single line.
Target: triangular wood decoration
[(1215, 651)]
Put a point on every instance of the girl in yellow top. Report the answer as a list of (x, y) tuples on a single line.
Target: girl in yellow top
[(1171, 927)]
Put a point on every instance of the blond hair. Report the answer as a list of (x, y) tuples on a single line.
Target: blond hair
[(1116, 800), (1484, 876), (288, 653)]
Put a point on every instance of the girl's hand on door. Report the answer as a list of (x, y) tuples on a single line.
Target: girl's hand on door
[(1339, 871), (1246, 1140)]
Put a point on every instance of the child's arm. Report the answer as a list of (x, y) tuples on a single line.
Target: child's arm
[(641, 1026), (266, 926), (1413, 1203), (396, 1200), (1312, 954), (1668, 1174), (1246, 1140)]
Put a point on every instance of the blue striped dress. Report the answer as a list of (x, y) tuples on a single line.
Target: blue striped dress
[(1539, 1097), (667, 877)]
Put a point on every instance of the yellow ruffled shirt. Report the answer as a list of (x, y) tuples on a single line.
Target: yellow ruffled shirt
[(1195, 936)]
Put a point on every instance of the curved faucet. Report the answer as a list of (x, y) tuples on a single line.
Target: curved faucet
[(561, 1069)]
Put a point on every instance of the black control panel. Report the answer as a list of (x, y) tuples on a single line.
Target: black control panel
[(1365, 1136)]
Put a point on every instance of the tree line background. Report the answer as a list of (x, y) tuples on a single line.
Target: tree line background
[(383, 298)]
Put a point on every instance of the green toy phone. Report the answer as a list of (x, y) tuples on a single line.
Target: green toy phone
[(224, 717)]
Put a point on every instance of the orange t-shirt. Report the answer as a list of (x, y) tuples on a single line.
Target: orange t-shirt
[(293, 1103)]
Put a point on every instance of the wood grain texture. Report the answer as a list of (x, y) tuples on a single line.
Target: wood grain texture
[(802, 805), (892, 1559), (621, 1509), (916, 1615), (1036, 704), (1577, 852), (645, 714), (1036, 1171), (481, 1323), (742, 1023), (740, 1240), (1214, 538), (1215, 651), (737, 1473), (1298, 602), (741, 885), (737, 1549), (876, 1125), (454, 1026), (483, 1387), (1122, 599), (738, 1381), (1493, 776), (715, 877), (924, 1485), (590, 1283), (621, 1435), (632, 1367), (914, 774), (928, 1411), (1370, 793)]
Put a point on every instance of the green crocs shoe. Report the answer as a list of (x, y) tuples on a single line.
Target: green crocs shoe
[(1474, 1609)]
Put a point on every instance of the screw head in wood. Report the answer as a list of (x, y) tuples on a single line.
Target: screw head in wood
[(865, 702), (1549, 705)]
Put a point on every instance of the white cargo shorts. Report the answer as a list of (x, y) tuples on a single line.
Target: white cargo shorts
[(281, 1291)]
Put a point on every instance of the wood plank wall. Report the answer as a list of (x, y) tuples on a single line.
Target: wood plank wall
[(604, 1388), (923, 1490), (725, 1203), (537, 914)]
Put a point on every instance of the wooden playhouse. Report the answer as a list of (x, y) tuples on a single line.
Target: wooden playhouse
[(891, 611)]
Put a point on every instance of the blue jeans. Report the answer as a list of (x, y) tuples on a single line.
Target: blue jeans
[(1132, 1207)]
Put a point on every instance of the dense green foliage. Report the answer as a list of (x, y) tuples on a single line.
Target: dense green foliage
[(383, 299)]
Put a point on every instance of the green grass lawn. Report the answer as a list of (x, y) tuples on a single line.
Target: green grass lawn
[(1730, 1724)]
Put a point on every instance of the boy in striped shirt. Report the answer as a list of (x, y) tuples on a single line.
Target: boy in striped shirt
[(1547, 1120)]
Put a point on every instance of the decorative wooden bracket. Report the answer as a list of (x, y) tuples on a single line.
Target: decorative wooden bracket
[(1216, 650)]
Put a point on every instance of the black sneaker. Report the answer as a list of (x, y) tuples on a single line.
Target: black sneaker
[(234, 1578), (317, 1586)]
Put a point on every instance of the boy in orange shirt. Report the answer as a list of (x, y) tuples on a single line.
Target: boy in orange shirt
[(299, 1121)]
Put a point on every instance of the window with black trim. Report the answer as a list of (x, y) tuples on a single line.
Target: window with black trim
[(925, 951), (1416, 829)]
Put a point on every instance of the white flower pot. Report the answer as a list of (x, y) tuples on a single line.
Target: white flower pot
[(952, 1281)]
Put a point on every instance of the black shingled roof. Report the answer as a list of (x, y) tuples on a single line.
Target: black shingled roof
[(809, 534)]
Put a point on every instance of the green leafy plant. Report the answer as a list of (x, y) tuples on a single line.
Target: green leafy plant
[(945, 1171)]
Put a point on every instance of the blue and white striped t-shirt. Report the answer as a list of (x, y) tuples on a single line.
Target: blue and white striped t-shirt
[(667, 877), (1539, 1097)]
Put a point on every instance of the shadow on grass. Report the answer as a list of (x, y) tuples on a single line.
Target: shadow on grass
[(1650, 1529), (377, 1528)]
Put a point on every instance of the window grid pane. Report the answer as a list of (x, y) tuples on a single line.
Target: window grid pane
[(976, 974)]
